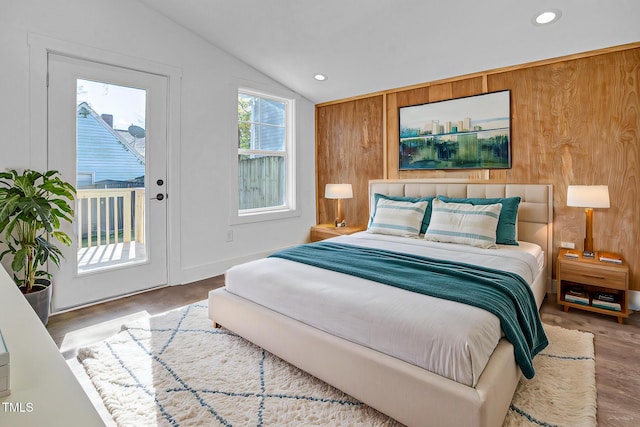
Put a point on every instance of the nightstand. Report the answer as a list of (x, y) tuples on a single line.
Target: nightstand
[(326, 231), (592, 275)]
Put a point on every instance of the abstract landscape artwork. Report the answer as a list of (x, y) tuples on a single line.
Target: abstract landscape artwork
[(463, 133)]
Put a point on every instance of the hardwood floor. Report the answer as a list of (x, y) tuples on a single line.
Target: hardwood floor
[(617, 347), (85, 326)]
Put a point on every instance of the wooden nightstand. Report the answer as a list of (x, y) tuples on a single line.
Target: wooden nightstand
[(325, 231), (594, 276)]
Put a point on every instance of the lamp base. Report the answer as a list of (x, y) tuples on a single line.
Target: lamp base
[(588, 235), (339, 222)]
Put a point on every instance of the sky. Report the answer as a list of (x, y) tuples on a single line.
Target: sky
[(126, 104), (489, 106)]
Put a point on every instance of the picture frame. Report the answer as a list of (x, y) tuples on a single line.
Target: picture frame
[(472, 132)]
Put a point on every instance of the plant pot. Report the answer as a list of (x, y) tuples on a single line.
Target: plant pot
[(40, 300)]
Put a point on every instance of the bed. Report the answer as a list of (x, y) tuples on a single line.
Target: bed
[(363, 362)]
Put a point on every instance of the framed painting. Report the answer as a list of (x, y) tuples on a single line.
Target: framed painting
[(463, 133)]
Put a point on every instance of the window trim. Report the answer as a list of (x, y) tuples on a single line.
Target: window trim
[(289, 209)]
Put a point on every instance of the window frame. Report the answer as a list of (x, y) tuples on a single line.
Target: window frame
[(289, 208)]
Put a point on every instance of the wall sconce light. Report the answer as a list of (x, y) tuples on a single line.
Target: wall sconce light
[(338, 191), (588, 197)]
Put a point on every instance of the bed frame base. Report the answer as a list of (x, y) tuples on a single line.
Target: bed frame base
[(405, 392)]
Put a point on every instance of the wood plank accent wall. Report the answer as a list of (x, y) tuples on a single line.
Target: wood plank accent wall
[(575, 120), (351, 152)]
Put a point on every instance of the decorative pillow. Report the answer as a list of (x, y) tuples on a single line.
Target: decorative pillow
[(427, 215), (507, 232), (464, 223), (398, 218)]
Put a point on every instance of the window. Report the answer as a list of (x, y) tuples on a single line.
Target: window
[(85, 179), (265, 160)]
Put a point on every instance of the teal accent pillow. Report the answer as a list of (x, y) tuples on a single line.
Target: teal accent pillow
[(507, 223), (427, 215)]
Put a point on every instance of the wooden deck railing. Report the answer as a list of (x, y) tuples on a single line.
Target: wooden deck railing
[(102, 214)]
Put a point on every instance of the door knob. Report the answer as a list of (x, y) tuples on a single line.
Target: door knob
[(159, 196)]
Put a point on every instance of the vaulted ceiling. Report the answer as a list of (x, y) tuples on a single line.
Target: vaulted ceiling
[(365, 46)]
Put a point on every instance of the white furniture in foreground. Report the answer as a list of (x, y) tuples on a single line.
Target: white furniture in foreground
[(44, 391)]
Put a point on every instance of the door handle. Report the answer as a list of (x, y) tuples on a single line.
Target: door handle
[(159, 196)]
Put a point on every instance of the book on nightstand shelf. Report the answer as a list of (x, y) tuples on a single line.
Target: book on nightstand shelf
[(571, 255), (607, 301), (578, 295), (606, 296), (584, 300), (606, 305), (610, 257)]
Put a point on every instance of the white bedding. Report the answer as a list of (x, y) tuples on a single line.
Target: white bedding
[(448, 338)]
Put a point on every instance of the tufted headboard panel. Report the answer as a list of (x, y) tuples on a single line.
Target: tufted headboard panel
[(535, 213)]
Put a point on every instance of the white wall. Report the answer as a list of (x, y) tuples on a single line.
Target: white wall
[(207, 122)]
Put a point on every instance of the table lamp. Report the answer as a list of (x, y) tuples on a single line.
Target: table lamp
[(588, 197), (338, 191)]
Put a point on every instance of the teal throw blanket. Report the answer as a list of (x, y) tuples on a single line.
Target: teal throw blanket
[(506, 295)]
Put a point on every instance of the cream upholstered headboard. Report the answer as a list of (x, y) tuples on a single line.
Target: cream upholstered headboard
[(535, 213)]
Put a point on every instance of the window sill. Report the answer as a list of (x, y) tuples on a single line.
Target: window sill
[(263, 216)]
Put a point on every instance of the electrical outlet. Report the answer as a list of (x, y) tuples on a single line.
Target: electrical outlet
[(568, 245), (229, 235)]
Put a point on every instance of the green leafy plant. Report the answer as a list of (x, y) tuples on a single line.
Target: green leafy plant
[(32, 206)]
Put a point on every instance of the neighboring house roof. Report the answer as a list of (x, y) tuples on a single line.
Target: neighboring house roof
[(137, 143), (103, 151)]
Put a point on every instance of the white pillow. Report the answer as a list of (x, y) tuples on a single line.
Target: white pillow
[(473, 225), (398, 218)]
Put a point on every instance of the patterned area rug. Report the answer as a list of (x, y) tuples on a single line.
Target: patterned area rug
[(175, 369)]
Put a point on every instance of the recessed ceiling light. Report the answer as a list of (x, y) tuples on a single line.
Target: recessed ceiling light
[(320, 77), (546, 17)]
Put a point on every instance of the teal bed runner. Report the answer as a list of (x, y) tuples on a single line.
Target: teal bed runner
[(506, 295)]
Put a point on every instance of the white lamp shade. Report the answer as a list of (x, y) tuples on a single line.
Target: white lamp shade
[(338, 191), (588, 196)]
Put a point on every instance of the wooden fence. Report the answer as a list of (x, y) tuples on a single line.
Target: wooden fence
[(261, 182)]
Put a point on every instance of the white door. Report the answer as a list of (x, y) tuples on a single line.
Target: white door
[(107, 136)]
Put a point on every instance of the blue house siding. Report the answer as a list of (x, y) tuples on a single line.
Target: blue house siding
[(273, 124), (102, 153)]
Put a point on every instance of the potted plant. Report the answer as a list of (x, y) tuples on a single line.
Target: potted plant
[(32, 206)]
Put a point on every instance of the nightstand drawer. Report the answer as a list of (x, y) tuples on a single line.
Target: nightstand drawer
[(581, 273)]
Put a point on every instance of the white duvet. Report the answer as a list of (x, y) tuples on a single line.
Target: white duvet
[(448, 338)]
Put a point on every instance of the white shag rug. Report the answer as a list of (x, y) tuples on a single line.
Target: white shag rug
[(174, 369)]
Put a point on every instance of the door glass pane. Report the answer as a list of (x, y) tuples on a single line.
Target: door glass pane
[(110, 170)]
